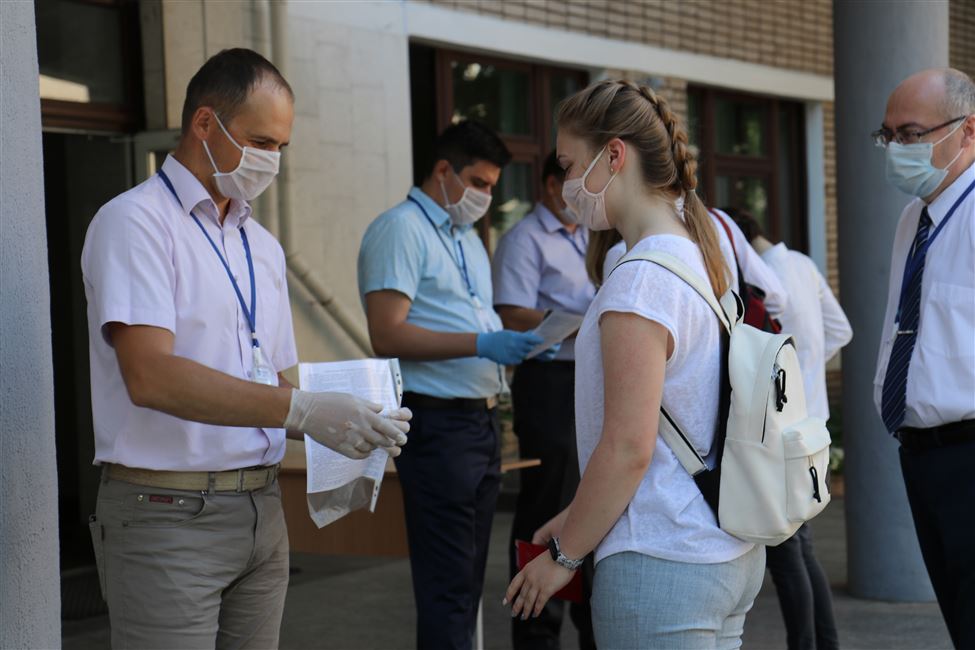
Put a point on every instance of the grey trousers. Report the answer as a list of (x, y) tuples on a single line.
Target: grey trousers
[(182, 569)]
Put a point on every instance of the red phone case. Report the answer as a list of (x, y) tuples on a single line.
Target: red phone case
[(526, 552)]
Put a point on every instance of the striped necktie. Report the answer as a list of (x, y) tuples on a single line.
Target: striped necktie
[(894, 395)]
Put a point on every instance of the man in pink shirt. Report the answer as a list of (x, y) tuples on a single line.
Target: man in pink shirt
[(189, 329)]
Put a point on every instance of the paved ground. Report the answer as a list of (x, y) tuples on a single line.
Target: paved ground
[(360, 603)]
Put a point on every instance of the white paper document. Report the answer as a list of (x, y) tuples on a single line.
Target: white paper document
[(338, 485), (555, 328)]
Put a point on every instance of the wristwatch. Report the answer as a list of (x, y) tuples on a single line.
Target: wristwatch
[(559, 557)]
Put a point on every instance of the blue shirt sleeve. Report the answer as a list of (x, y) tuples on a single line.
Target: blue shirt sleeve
[(392, 255), (516, 270)]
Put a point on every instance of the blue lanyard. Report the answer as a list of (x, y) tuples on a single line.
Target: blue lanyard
[(250, 314), (572, 241), (914, 258), (462, 265)]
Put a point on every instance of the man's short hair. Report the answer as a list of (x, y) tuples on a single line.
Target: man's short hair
[(551, 167), (226, 80), (466, 142), (959, 94), (746, 221)]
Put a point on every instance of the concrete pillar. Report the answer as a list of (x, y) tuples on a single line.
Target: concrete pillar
[(30, 597), (877, 44)]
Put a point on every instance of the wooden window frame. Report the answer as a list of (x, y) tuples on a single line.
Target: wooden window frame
[(125, 117), (531, 148), (769, 166)]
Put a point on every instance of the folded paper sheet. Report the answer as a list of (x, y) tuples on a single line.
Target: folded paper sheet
[(338, 485), (555, 328)]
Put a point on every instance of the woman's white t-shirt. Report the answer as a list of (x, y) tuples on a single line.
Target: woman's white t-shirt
[(667, 517)]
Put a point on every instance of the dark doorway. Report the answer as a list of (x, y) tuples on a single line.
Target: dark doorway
[(81, 172)]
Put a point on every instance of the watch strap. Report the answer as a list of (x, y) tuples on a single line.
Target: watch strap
[(559, 557)]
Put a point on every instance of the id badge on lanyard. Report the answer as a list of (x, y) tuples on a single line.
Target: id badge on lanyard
[(487, 318), (261, 372)]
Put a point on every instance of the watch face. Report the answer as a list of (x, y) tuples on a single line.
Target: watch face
[(553, 549)]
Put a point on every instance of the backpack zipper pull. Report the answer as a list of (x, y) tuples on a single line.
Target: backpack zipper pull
[(780, 397), (815, 480)]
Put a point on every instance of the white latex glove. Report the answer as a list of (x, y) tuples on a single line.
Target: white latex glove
[(344, 423)]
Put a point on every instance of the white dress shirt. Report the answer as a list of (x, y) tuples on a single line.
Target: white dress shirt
[(941, 375), (756, 271), (146, 262), (814, 318), (539, 264)]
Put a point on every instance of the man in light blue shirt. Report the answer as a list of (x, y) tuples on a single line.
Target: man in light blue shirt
[(425, 282), (540, 264)]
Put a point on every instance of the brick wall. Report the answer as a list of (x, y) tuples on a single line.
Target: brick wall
[(795, 34), (829, 176), (961, 43)]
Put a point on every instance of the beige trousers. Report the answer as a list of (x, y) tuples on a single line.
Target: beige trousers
[(182, 569)]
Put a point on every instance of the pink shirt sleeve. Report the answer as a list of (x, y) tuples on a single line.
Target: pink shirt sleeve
[(128, 268)]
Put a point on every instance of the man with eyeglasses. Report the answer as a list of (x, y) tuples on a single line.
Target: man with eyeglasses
[(925, 382)]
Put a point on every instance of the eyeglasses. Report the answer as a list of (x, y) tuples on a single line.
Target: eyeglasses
[(884, 136)]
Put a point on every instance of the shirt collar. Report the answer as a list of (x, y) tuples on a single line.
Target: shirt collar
[(777, 251), (551, 224), (548, 220), (193, 196), (940, 206), (437, 214)]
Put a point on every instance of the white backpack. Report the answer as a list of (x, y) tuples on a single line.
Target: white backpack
[(771, 466)]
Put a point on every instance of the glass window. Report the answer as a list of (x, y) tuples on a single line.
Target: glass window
[(497, 96), (748, 192), (512, 200), (78, 68), (561, 85), (752, 157), (517, 99), (739, 127)]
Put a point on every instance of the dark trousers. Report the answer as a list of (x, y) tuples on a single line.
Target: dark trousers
[(804, 593), (542, 396), (941, 491), (450, 471)]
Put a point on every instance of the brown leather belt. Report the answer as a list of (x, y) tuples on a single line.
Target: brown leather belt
[(238, 480)]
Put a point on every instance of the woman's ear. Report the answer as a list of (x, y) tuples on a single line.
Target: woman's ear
[(616, 154)]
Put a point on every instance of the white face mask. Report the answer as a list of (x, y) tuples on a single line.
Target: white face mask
[(909, 167), (256, 170), (472, 205), (589, 208)]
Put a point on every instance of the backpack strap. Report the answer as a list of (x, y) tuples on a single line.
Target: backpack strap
[(685, 273), (727, 230), (731, 240), (686, 454), (706, 478)]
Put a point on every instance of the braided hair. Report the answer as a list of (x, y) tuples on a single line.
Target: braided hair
[(644, 120)]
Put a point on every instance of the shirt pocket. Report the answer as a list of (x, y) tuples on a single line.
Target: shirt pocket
[(948, 321)]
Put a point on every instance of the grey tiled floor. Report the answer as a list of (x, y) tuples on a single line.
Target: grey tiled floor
[(362, 603)]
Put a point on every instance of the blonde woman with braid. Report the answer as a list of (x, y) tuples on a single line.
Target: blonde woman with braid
[(666, 575)]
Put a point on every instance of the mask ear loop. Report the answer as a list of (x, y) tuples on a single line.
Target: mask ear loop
[(592, 166), (443, 189), (206, 148)]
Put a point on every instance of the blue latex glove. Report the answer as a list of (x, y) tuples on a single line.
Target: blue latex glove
[(549, 354), (506, 347)]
